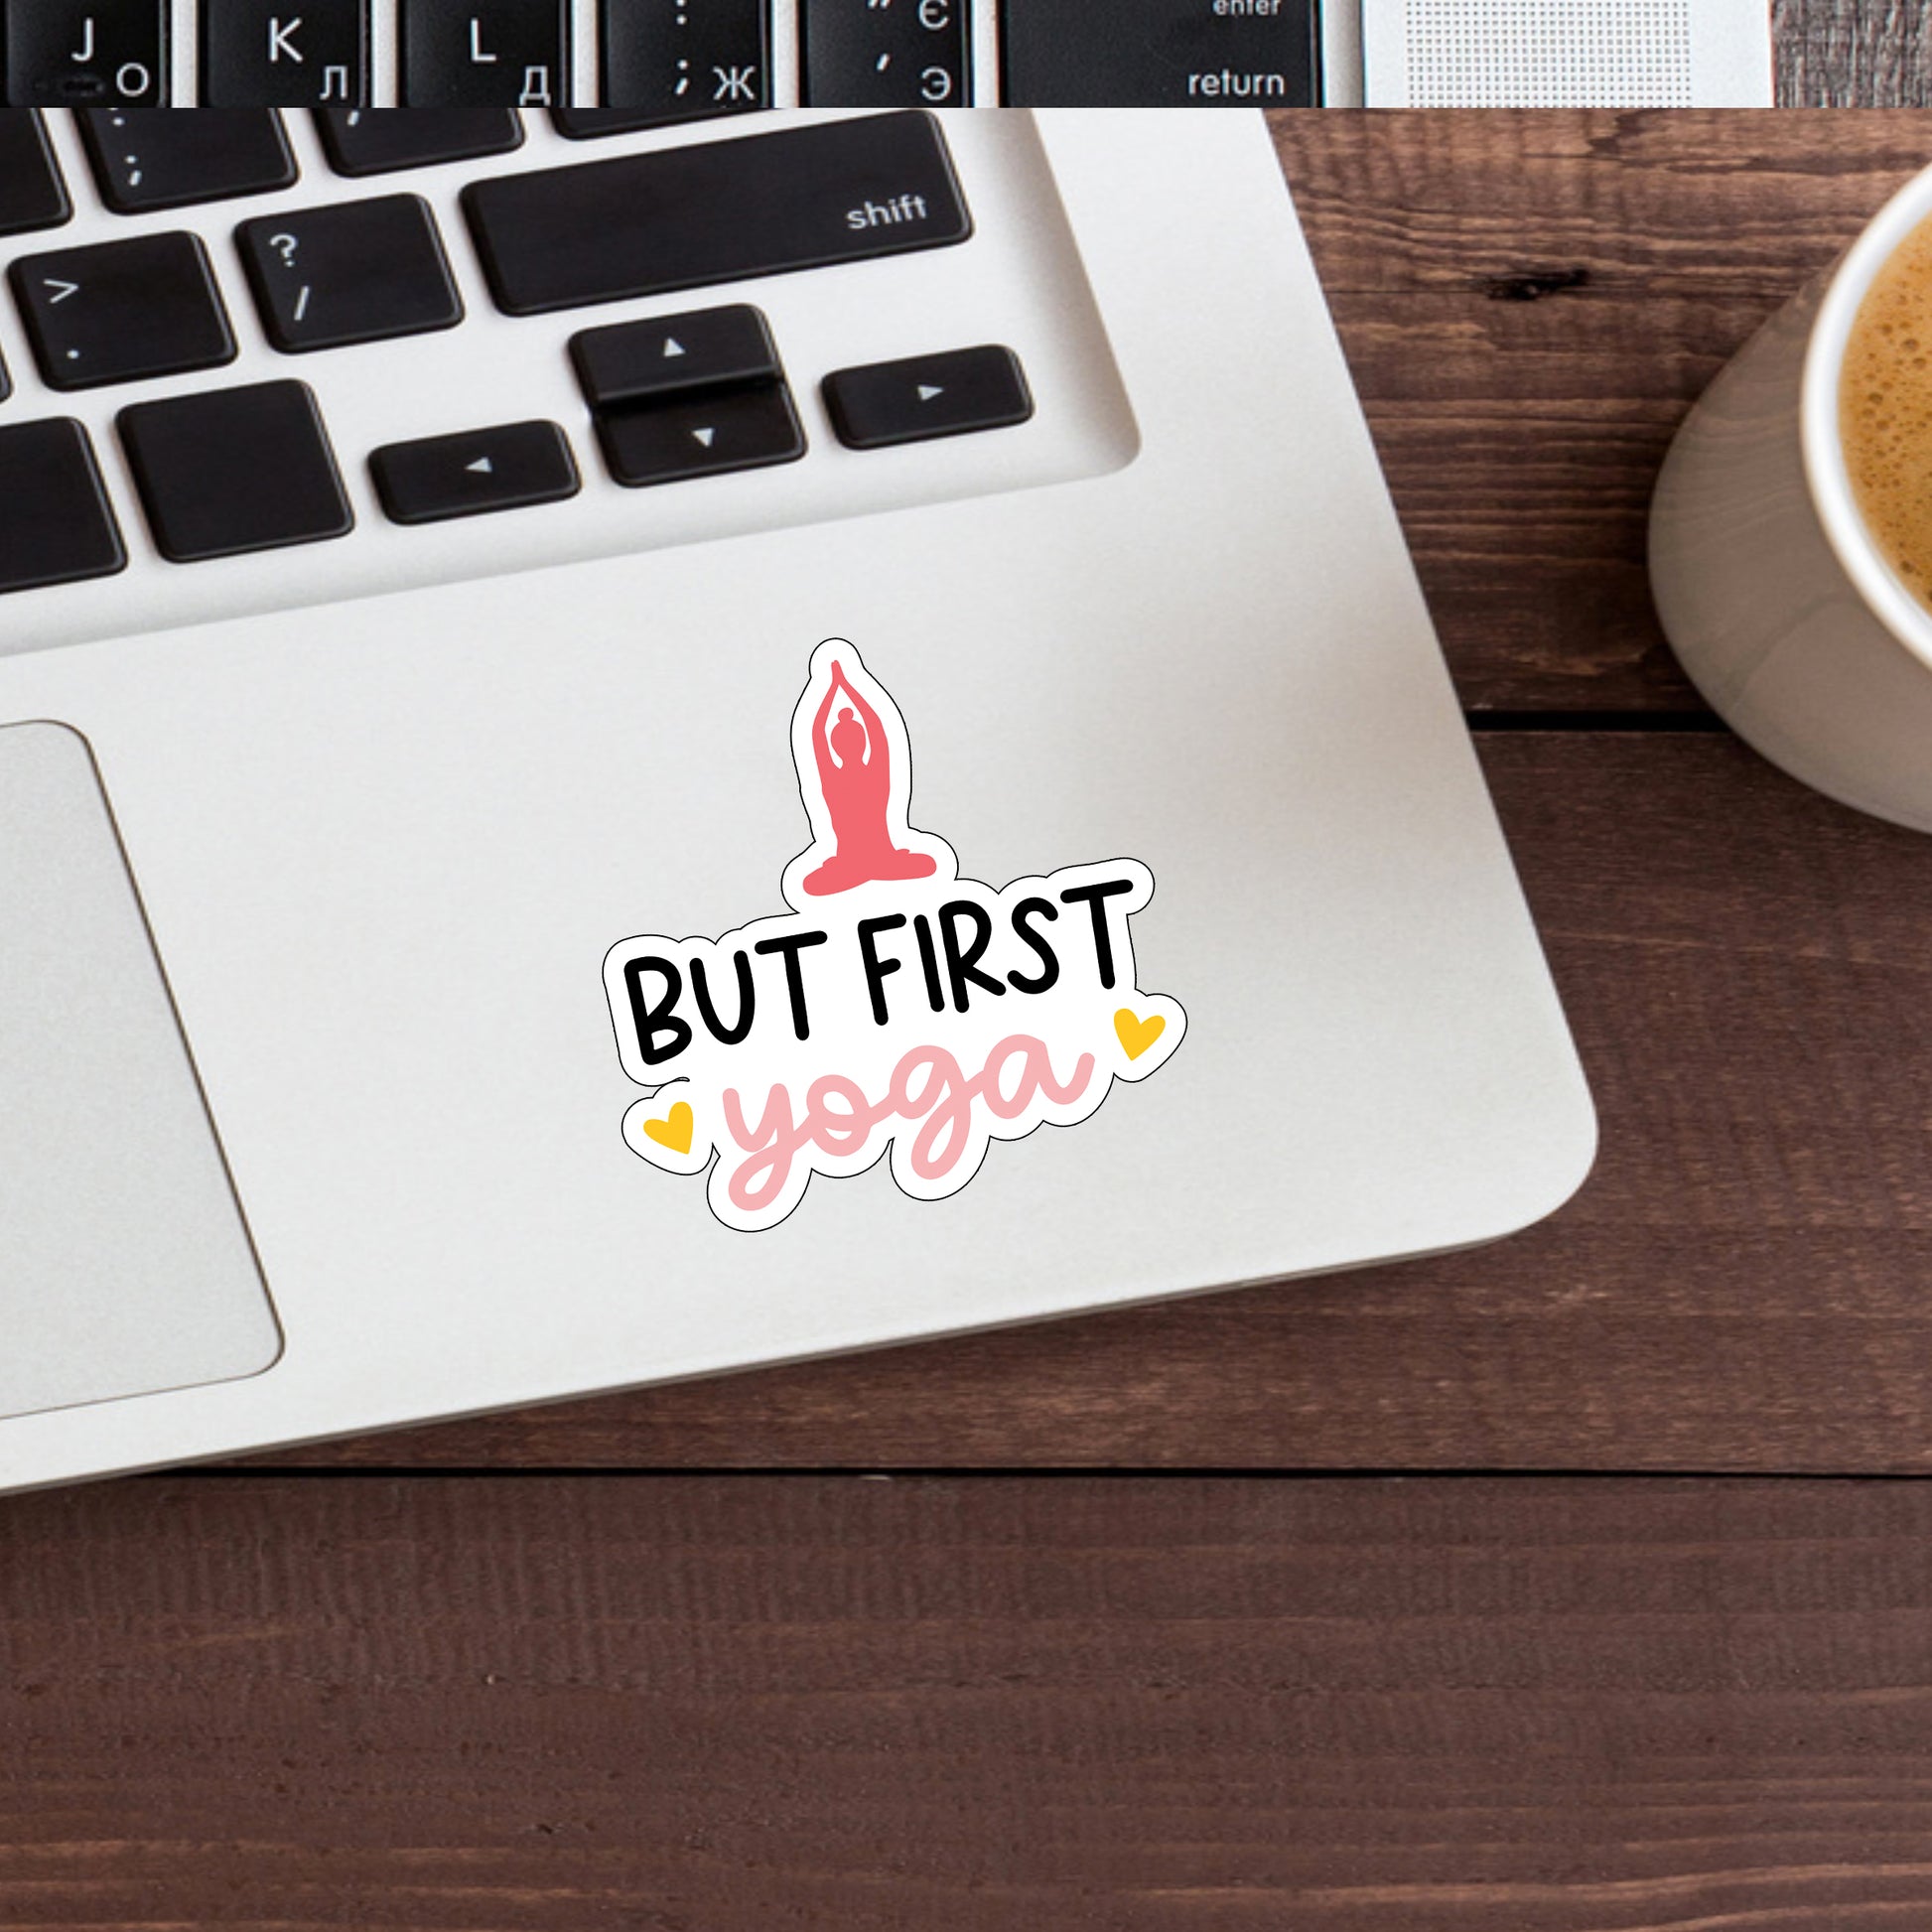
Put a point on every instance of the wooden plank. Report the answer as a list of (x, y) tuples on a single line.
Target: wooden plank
[(967, 1706), (1852, 53), (1745, 1283), (1530, 302)]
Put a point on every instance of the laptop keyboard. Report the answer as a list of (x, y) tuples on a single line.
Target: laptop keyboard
[(661, 60), (239, 334)]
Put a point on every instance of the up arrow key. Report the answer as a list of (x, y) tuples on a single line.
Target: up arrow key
[(672, 347)]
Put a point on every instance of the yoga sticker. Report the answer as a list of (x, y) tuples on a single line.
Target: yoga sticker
[(896, 1009)]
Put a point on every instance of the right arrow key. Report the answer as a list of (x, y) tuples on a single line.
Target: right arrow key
[(950, 394)]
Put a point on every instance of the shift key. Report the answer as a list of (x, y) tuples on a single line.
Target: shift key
[(716, 212)]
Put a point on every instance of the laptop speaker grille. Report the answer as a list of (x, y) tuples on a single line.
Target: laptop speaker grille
[(1549, 52)]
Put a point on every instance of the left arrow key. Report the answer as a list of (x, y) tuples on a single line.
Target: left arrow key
[(122, 311), (511, 467)]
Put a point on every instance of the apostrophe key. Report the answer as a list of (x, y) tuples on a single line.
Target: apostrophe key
[(886, 52), (155, 158), (716, 212), (358, 272), (284, 53), (384, 140), (235, 471), (705, 435), (927, 397), (641, 361), (121, 311), (684, 59), (32, 193), (486, 53), (55, 525), (87, 53), (513, 467), (1161, 53)]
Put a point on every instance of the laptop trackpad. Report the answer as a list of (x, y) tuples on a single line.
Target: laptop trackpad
[(124, 1265)]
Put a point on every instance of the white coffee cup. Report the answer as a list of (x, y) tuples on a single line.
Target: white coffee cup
[(1780, 607)]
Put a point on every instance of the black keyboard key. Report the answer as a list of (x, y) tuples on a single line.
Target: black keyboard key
[(284, 53), (886, 52), (383, 140), (156, 158), (87, 53), (32, 193), (504, 469), (923, 396), (235, 471), (641, 361), (1161, 53), (121, 311), (55, 525), (358, 272), (716, 212), (486, 53), (702, 435), (685, 60)]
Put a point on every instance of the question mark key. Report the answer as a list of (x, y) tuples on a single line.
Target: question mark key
[(358, 272)]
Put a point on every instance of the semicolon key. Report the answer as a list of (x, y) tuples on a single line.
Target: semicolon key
[(156, 158)]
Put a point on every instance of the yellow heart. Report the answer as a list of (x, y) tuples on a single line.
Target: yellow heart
[(1137, 1035), (674, 1133)]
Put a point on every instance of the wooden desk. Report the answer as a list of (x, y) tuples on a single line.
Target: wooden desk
[(434, 1697)]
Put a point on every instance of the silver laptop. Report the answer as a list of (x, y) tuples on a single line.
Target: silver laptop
[(671, 58), (597, 738)]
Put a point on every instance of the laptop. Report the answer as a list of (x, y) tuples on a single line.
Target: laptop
[(599, 737), (670, 57)]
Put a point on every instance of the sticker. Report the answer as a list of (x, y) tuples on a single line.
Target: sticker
[(897, 1009)]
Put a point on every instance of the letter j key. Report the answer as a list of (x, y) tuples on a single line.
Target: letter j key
[(285, 53), (87, 53)]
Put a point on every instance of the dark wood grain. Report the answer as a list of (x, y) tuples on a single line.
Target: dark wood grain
[(1530, 302), (1745, 1283), (1852, 53), (728, 1706)]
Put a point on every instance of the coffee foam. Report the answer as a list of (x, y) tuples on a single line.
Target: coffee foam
[(1885, 411)]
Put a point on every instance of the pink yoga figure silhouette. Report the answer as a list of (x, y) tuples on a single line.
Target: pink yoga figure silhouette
[(855, 779)]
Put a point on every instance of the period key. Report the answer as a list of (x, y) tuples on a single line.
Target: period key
[(886, 53), (285, 53), (87, 53)]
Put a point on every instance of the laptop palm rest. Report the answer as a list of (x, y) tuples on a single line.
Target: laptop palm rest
[(125, 1267)]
